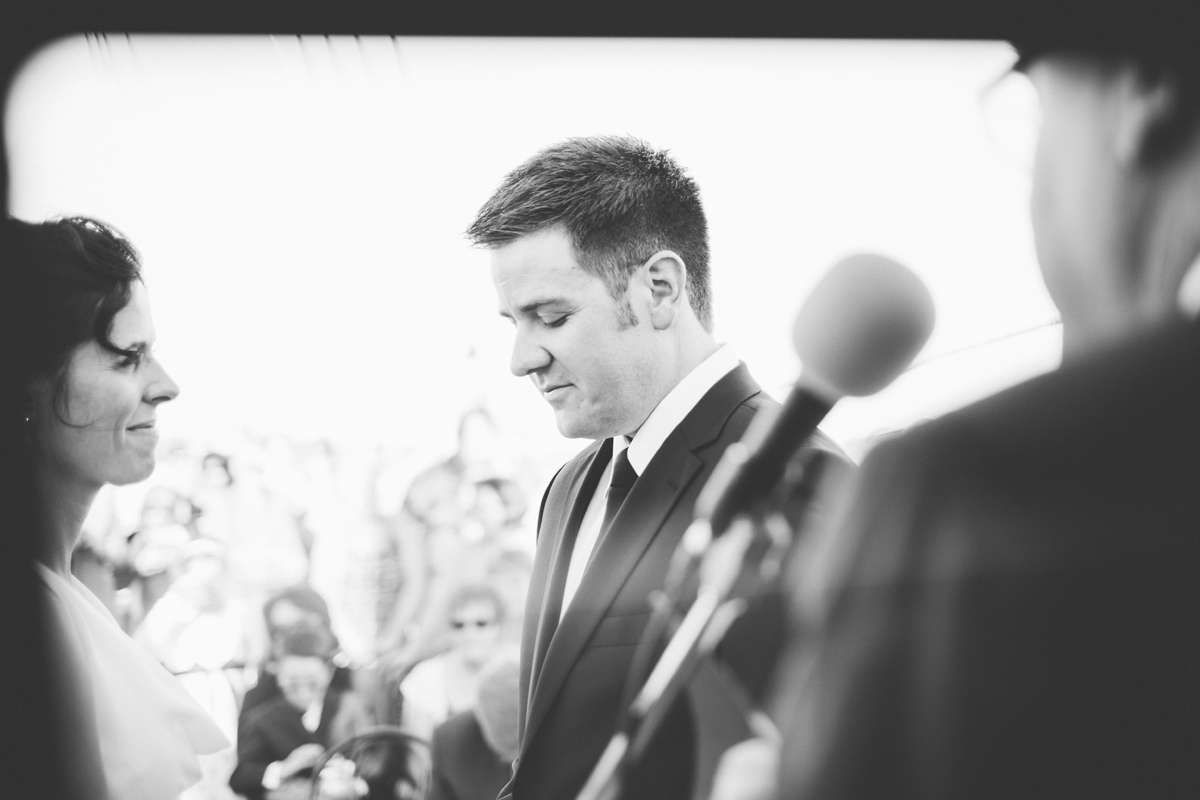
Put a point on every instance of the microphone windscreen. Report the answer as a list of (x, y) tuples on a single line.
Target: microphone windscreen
[(862, 325)]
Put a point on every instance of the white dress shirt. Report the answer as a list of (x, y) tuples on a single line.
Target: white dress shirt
[(665, 417)]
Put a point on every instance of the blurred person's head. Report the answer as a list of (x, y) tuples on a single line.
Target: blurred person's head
[(477, 439), (1116, 183), (79, 336), (599, 253), (476, 613), (498, 502), (292, 608), (215, 470), (248, 468), (202, 580), (160, 506), (305, 666), (498, 707), (489, 507), (320, 463), (439, 498)]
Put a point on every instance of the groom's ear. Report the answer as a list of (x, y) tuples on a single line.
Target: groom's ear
[(666, 277)]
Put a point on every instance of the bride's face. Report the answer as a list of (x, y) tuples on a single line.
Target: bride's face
[(104, 429)]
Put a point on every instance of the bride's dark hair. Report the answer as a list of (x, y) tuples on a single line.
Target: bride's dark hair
[(61, 283)]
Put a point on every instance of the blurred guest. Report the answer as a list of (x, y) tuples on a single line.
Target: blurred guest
[(372, 577), (195, 631), (76, 312), (1008, 608), (508, 574), (266, 550), (433, 496), (294, 608), (495, 517), (156, 548), (282, 738), (467, 512), (214, 498), (473, 750), (447, 683)]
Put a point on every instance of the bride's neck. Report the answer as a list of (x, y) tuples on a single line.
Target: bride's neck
[(63, 504)]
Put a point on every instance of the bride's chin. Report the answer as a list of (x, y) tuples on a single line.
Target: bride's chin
[(133, 470)]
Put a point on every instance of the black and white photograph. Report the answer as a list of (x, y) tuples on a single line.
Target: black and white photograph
[(611, 403)]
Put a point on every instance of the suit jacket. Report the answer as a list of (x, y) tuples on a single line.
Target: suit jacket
[(573, 674), (1012, 607), (464, 767)]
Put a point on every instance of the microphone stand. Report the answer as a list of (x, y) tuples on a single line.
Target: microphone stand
[(727, 574), (749, 553)]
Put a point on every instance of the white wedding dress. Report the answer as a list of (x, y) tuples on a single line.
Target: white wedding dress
[(151, 730)]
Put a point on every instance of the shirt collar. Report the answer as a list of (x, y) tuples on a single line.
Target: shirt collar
[(672, 409), (311, 719)]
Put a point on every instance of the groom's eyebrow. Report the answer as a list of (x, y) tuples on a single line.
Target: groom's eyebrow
[(533, 306)]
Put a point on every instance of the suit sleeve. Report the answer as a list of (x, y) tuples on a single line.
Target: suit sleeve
[(254, 753), (849, 663), (439, 785)]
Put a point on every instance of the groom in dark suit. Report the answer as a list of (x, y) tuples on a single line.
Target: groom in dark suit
[(600, 261)]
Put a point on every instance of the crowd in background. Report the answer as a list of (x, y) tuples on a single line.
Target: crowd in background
[(417, 570)]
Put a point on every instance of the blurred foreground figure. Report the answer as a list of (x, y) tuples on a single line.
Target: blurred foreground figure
[(1008, 607)]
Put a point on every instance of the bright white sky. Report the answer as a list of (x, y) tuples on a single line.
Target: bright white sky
[(300, 203)]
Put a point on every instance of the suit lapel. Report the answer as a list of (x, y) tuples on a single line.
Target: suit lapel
[(650, 502), (564, 512)]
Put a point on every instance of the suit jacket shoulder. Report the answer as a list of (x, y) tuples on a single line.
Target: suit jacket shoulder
[(1057, 469), (1006, 592)]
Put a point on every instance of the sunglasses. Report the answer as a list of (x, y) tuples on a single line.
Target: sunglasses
[(459, 624)]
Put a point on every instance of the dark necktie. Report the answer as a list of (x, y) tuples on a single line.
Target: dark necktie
[(623, 477)]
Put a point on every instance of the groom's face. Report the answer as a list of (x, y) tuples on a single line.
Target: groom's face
[(588, 359)]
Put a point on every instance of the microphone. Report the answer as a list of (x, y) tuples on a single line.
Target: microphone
[(862, 325)]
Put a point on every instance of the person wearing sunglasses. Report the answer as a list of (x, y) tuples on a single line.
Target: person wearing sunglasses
[(447, 683)]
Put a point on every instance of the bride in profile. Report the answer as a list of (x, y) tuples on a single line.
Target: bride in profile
[(92, 389)]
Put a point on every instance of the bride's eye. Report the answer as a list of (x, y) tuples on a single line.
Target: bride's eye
[(134, 357)]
